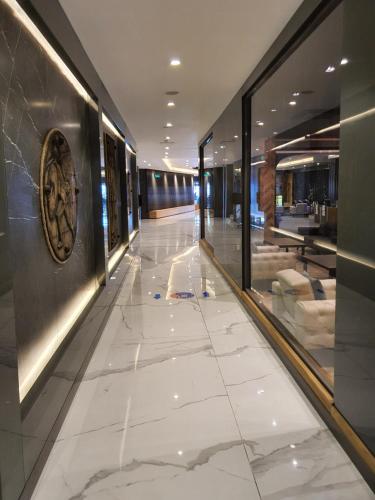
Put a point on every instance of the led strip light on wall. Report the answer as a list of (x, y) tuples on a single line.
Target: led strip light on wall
[(50, 51)]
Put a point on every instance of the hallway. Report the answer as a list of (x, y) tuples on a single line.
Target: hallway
[(184, 399)]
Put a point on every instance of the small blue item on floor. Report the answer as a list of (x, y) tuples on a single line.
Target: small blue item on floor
[(157, 296), (206, 294)]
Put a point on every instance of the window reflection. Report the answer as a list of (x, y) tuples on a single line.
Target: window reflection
[(223, 201), (294, 194)]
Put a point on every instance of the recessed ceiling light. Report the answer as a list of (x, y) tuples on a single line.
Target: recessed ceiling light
[(273, 110), (344, 61), (222, 147), (167, 138), (330, 69), (295, 94), (149, 164), (175, 62), (275, 133), (215, 152), (292, 103), (144, 161), (236, 136), (259, 123), (166, 147), (256, 149), (171, 104), (168, 125)]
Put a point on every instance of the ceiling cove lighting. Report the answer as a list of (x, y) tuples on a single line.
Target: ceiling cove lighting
[(344, 61), (291, 163), (175, 62), (299, 139), (130, 149), (50, 51), (171, 104), (330, 69), (112, 128), (327, 129)]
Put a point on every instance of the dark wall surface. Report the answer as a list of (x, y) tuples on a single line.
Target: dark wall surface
[(37, 99), (40, 299), (161, 189), (355, 321)]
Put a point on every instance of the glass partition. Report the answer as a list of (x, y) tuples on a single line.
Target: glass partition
[(295, 151), (223, 204)]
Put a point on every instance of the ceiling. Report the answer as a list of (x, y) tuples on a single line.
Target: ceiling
[(131, 43)]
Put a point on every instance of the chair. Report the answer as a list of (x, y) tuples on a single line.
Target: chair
[(311, 321)]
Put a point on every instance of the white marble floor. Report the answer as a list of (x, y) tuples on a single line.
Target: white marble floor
[(184, 399)]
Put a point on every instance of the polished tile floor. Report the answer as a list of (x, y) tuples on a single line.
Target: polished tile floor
[(184, 399)]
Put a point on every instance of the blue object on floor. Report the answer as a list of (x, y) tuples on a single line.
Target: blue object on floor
[(157, 296), (206, 294)]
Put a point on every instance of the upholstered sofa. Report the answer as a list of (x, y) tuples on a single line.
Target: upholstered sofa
[(299, 209), (266, 264), (310, 320)]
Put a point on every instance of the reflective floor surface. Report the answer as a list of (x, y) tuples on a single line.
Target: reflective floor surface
[(184, 399)]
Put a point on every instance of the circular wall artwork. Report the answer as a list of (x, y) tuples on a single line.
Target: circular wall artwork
[(58, 195)]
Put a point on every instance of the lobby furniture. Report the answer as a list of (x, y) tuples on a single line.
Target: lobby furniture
[(299, 209), (286, 243), (265, 266), (167, 212), (327, 262), (265, 248), (310, 321)]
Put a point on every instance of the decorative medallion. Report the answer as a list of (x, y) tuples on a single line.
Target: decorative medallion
[(58, 195)]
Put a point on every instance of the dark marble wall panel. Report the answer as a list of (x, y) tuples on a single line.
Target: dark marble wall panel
[(355, 322), (11, 453), (161, 190), (36, 97)]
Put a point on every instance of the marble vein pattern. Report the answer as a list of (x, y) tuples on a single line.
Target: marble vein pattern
[(184, 398)]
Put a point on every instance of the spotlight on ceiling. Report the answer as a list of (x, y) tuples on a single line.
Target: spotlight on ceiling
[(330, 69), (175, 62)]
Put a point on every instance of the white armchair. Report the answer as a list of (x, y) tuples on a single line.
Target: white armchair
[(311, 321)]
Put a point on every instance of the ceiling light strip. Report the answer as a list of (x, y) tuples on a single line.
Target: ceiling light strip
[(299, 161), (327, 129), (130, 149), (299, 139), (111, 127), (50, 51)]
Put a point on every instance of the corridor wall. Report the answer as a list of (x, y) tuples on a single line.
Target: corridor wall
[(52, 242)]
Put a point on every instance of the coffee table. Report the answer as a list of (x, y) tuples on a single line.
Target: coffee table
[(286, 243), (327, 262)]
